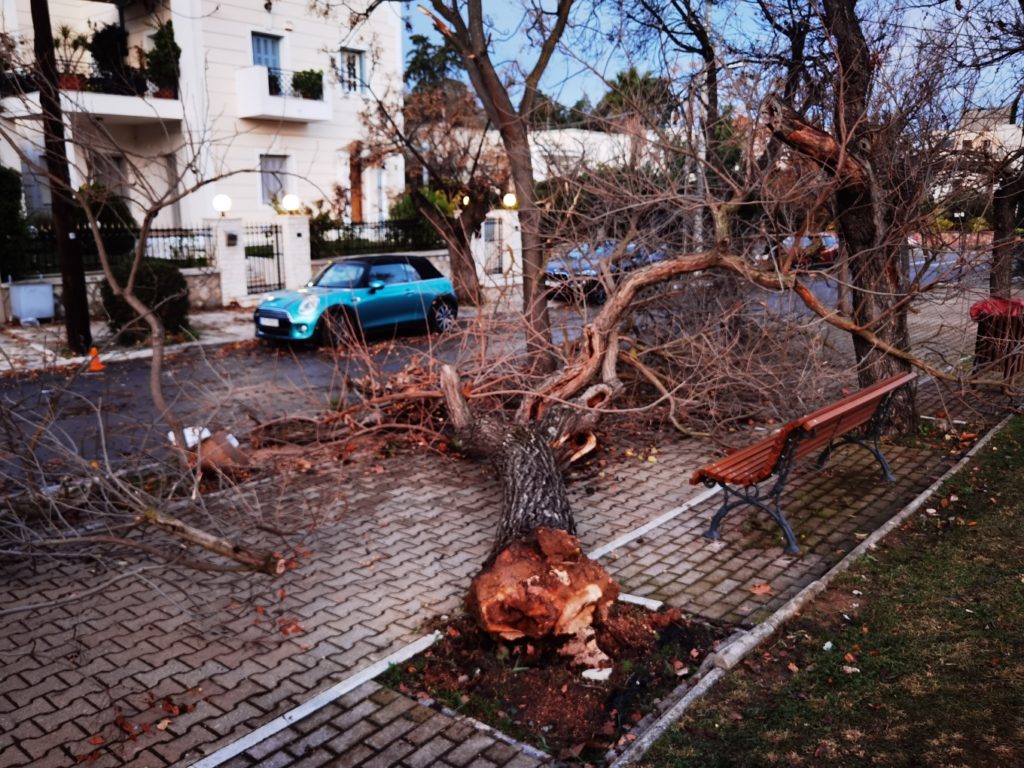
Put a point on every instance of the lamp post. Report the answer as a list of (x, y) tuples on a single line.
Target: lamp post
[(959, 216)]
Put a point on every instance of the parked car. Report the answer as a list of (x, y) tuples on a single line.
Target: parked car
[(818, 249), (357, 295), (578, 274)]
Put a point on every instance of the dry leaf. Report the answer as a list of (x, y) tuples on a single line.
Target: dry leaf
[(761, 589)]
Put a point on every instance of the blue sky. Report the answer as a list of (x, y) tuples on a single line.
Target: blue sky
[(566, 80)]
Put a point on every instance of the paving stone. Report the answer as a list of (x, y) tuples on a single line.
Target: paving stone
[(466, 752), (389, 732), (391, 756), (427, 753), (13, 755), (354, 758), (311, 741), (352, 736), (68, 733)]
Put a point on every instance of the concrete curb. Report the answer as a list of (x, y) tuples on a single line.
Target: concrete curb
[(729, 656)]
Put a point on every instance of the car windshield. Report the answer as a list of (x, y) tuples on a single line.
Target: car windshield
[(340, 275)]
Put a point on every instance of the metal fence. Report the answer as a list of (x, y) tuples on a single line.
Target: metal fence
[(185, 246), (330, 239)]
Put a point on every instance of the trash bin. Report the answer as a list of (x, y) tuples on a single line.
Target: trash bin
[(31, 301), (999, 344)]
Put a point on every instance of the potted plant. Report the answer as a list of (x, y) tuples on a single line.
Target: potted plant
[(309, 84), (162, 61), (69, 49), (109, 48), (14, 81)]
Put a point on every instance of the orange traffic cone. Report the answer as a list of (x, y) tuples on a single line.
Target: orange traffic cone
[(95, 366)]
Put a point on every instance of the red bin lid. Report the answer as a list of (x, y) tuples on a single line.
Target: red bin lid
[(997, 308)]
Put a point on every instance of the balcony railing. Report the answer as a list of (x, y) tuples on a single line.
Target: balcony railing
[(129, 82)]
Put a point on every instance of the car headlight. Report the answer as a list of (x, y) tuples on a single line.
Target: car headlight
[(308, 306)]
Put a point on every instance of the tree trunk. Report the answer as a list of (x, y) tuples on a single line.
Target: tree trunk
[(456, 234), (536, 581), (1007, 198), (73, 293), (861, 202)]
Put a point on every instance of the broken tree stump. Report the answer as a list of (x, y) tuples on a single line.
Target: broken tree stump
[(540, 586)]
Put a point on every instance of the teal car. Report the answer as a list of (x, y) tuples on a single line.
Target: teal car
[(352, 296)]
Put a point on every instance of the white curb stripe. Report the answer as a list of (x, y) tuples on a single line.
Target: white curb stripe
[(646, 602), (636, 533), (319, 701)]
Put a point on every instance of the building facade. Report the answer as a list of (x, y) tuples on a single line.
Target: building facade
[(268, 100)]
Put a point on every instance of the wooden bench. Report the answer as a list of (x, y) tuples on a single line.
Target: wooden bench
[(857, 419)]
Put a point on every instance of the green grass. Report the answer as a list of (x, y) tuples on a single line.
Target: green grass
[(933, 624)]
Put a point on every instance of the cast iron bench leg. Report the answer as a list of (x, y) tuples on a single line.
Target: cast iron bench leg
[(872, 447), (773, 510)]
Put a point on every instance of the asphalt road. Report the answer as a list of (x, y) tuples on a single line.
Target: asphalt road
[(110, 417)]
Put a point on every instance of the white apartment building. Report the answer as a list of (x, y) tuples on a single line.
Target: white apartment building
[(238, 112)]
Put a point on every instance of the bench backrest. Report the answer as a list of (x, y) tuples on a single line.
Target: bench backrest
[(812, 434), (818, 429)]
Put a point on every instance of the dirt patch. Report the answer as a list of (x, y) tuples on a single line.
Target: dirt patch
[(534, 693)]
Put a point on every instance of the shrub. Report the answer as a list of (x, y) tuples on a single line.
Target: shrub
[(12, 224), (117, 225), (159, 285)]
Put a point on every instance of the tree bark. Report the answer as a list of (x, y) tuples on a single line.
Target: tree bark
[(1008, 196), (73, 293), (457, 234), (264, 562)]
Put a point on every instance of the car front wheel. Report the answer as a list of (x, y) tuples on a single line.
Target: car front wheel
[(443, 316), (335, 329)]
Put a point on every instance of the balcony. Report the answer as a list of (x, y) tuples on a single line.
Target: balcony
[(126, 100), (274, 94)]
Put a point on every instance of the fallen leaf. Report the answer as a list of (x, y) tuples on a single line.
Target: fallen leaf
[(164, 724), (96, 740), (792, 667), (761, 589)]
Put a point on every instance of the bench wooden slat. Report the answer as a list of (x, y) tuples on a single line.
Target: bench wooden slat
[(869, 394), (748, 465)]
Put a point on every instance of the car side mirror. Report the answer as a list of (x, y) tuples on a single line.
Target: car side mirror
[(376, 285)]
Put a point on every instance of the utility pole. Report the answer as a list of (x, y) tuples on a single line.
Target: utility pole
[(76, 304)]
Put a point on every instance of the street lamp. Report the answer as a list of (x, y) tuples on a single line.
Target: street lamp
[(509, 200), (291, 203), (959, 216), (221, 204)]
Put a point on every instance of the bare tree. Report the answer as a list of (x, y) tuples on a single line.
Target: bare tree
[(464, 25)]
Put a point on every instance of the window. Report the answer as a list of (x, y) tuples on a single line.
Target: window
[(272, 177), (351, 76), (109, 172), (266, 52), (393, 274)]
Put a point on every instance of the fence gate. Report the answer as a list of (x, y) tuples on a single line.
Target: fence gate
[(263, 258), (494, 246)]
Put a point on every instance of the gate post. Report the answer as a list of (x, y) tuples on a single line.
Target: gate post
[(296, 266), (229, 251)]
